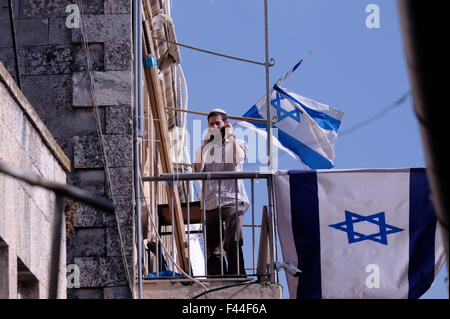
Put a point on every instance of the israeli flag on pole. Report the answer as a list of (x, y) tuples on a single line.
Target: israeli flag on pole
[(358, 233), (306, 128)]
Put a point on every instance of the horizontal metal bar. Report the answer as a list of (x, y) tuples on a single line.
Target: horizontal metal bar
[(215, 53), (58, 188), (206, 176), (238, 118)]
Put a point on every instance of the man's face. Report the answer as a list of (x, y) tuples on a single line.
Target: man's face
[(216, 122)]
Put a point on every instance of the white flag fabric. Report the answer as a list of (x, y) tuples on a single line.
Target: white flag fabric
[(358, 233), (306, 127)]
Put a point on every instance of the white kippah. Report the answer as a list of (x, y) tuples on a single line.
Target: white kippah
[(218, 110)]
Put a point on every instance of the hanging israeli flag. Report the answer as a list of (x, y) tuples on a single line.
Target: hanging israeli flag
[(306, 127), (358, 233)]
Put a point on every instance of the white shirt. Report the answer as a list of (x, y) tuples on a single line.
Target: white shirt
[(223, 161)]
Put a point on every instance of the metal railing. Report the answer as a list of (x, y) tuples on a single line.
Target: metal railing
[(195, 213)]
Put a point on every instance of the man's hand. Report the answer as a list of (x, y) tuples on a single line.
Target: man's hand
[(228, 129)]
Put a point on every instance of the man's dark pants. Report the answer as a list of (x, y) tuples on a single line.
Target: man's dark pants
[(232, 240)]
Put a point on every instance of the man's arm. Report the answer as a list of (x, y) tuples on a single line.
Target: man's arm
[(199, 163), (239, 151)]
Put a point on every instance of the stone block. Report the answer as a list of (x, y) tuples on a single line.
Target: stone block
[(112, 271), (28, 32), (122, 181), (48, 93), (115, 28), (17, 121), (96, 54), (58, 33), (38, 8), (111, 88), (5, 39), (8, 60), (61, 122), (113, 245), (45, 163), (118, 56), (66, 144), (87, 152), (85, 293), (87, 216), (124, 206), (92, 180), (119, 120), (54, 59), (87, 242), (117, 6), (122, 292), (31, 141), (56, 8), (119, 150), (90, 271)]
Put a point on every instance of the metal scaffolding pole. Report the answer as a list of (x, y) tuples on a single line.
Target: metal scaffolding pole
[(138, 110), (269, 141)]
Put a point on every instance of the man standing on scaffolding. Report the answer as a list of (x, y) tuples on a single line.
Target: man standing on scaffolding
[(221, 151)]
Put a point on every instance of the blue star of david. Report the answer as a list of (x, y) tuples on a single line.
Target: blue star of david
[(282, 113), (377, 219)]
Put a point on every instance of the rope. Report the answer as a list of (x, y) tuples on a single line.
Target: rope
[(102, 142)]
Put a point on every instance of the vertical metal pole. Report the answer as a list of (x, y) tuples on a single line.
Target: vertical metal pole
[(56, 247), (272, 239), (267, 66), (220, 230), (237, 224), (14, 42), (274, 227), (269, 143), (253, 223), (157, 228), (137, 129), (189, 224), (174, 256), (204, 229)]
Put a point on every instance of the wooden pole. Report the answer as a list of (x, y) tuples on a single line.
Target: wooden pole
[(162, 134)]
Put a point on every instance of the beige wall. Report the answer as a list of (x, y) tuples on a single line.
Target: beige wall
[(26, 212)]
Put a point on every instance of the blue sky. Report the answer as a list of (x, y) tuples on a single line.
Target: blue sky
[(358, 70)]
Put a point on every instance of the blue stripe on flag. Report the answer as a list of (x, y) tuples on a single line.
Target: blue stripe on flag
[(306, 231), (308, 156), (323, 120), (422, 230), (254, 113)]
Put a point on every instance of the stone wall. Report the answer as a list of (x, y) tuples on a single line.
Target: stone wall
[(26, 212), (53, 67)]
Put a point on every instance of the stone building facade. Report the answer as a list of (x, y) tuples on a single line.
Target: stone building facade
[(27, 213), (56, 80)]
